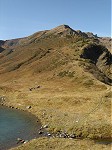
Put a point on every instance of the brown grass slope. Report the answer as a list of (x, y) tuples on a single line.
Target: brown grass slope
[(48, 50), (73, 71)]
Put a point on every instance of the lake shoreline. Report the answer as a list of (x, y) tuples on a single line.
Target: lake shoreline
[(27, 111), (27, 134)]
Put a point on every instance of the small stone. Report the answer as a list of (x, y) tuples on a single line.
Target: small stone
[(30, 89), (19, 139), (25, 141), (72, 136), (63, 135), (22, 141), (48, 134), (28, 107), (45, 126), (40, 132), (38, 86), (44, 113), (19, 104), (41, 127)]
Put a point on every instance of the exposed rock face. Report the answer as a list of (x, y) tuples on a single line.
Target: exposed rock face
[(1, 42), (90, 34), (97, 53), (101, 58), (11, 43), (1, 49)]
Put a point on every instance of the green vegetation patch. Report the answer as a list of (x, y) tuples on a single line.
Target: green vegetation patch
[(66, 74)]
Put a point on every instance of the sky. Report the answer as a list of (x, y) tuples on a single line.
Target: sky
[(20, 18)]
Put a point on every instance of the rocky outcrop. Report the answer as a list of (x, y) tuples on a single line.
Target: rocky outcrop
[(101, 60), (1, 42), (1, 49)]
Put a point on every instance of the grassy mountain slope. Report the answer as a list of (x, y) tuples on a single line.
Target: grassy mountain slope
[(72, 69)]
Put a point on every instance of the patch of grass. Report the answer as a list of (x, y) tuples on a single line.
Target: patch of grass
[(61, 144), (88, 83), (66, 74)]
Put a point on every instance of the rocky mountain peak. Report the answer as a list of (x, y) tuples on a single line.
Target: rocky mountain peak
[(62, 27)]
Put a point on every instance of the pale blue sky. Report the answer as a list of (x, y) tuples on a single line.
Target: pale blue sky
[(20, 18)]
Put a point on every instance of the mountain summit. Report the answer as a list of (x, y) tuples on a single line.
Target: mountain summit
[(60, 31), (62, 27)]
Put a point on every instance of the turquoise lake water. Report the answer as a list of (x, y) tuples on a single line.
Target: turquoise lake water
[(16, 124)]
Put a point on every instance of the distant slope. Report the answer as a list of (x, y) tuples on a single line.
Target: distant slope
[(62, 51)]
